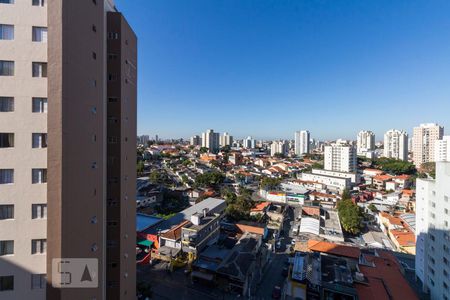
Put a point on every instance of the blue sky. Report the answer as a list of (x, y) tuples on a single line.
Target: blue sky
[(268, 68)]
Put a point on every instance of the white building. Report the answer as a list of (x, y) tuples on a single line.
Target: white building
[(279, 147), (196, 140), (225, 140), (354, 177), (424, 139), (340, 157), (432, 232), (336, 184), (249, 143), (210, 140), (442, 149), (302, 142), (365, 142), (396, 144)]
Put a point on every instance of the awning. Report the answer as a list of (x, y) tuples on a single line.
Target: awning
[(146, 243), (202, 275)]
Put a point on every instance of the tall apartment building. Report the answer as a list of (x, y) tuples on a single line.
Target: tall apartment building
[(424, 139), (196, 140), (433, 232), (69, 195), (340, 157), (442, 149), (365, 142), (302, 142), (279, 147), (396, 144), (210, 140), (249, 143), (225, 140)]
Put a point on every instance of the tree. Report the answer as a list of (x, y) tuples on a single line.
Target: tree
[(209, 179), (346, 194), (317, 165), (350, 215), (186, 162), (429, 168), (268, 183), (140, 167), (372, 208), (395, 166), (203, 150), (155, 177), (144, 290), (279, 155)]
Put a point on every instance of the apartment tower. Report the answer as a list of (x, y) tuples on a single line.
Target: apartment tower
[(365, 142), (340, 157), (424, 139), (71, 195), (302, 142), (433, 233), (396, 144)]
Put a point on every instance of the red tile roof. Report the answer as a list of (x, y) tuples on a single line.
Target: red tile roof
[(335, 249)]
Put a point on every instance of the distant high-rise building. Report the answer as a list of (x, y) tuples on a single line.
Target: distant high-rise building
[(424, 138), (432, 232), (365, 142), (442, 149), (340, 157), (249, 143), (196, 140), (302, 142), (67, 181), (396, 144), (225, 140), (143, 139), (280, 147), (210, 140), (156, 138)]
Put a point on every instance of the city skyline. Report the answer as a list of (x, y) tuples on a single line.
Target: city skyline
[(266, 64)]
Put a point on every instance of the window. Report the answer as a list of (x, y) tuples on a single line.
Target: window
[(38, 281), (39, 105), (6, 68), (6, 104), (39, 211), (7, 1), (6, 248), (39, 69), (6, 282), (38, 246), (39, 140), (6, 140), (39, 176), (6, 176), (39, 34), (6, 32), (6, 212), (113, 35), (38, 2)]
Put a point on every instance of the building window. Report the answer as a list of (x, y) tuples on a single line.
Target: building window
[(38, 281), (39, 140), (6, 68), (38, 2), (39, 69), (6, 212), (6, 282), (6, 176), (38, 246), (6, 104), (94, 28), (39, 34), (6, 140), (39, 105), (39, 176), (113, 35), (6, 32), (94, 55), (6, 248), (112, 100), (112, 56), (39, 211)]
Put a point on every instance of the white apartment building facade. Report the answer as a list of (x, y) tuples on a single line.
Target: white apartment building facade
[(396, 144), (279, 147), (195, 140), (442, 149), (249, 143), (210, 140), (433, 232), (340, 157), (424, 139), (365, 142), (225, 140), (23, 149), (302, 142)]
